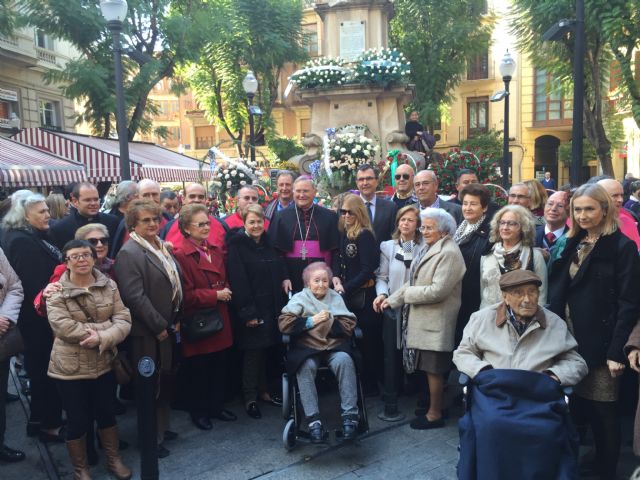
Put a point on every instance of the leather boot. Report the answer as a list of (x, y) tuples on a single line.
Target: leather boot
[(110, 444), (78, 455)]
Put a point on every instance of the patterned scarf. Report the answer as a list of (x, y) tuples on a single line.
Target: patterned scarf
[(167, 262), (514, 258), (466, 229)]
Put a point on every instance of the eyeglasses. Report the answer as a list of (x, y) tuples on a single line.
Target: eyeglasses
[(508, 224), (202, 224), (426, 228), (365, 179), (149, 220), (403, 176), (518, 196), (95, 241), (344, 212), (76, 257)]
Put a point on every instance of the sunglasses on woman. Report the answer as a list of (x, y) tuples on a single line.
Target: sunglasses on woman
[(95, 241), (344, 212)]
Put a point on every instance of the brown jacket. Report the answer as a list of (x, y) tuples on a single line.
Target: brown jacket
[(633, 343), (317, 338), (109, 317), (434, 297)]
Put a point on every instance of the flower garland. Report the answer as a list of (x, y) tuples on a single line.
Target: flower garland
[(382, 66), (321, 72)]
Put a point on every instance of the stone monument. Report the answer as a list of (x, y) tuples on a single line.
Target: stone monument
[(350, 27)]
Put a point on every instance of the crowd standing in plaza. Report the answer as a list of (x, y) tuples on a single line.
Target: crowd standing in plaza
[(545, 284)]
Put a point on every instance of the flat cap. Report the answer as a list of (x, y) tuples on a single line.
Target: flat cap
[(518, 277)]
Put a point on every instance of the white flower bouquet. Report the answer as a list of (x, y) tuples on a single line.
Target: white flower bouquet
[(382, 66), (321, 72)]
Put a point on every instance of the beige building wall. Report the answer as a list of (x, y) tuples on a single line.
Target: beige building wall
[(25, 100)]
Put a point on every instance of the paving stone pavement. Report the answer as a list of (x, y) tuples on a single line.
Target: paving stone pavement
[(252, 449)]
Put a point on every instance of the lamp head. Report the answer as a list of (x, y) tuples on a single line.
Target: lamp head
[(114, 10), (507, 65), (250, 84)]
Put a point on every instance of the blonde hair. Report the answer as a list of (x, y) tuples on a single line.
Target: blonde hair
[(526, 220), (600, 195), (355, 204), (57, 205), (537, 194)]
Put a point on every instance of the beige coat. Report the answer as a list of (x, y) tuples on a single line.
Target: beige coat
[(490, 340), (109, 317), (434, 298)]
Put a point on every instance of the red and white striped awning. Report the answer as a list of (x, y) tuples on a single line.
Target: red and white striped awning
[(102, 157), (25, 166)]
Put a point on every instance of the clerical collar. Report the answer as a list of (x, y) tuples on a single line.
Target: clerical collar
[(305, 210)]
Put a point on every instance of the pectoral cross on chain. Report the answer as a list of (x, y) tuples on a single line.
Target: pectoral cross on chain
[(303, 252)]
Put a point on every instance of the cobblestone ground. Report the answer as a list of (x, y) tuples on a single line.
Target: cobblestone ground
[(249, 449)]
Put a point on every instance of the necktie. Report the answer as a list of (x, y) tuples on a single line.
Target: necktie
[(369, 211), (551, 238)]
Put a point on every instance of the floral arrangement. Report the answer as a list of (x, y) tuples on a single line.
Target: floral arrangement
[(321, 72), (448, 166), (344, 153), (381, 66), (395, 158)]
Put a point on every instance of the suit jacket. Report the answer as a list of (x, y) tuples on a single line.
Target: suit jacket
[(541, 240), (145, 289), (451, 208), (384, 220)]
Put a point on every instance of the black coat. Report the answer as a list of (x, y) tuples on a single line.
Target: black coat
[(65, 229), (384, 221), (255, 272), (34, 263), (603, 296), (472, 248)]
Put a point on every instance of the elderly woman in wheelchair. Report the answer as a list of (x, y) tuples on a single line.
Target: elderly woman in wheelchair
[(321, 327)]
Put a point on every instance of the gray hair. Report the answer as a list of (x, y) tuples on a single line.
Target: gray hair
[(125, 191), (85, 230), (446, 223), (21, 200), (526, 220), (282, 173), (148, 182), (305, 178)]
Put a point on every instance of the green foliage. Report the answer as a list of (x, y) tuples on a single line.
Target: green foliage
[(283, 148), (531, 18), (450, 164), (165, 31), (9, 18), (257, 35), (438, 38), (489, 143)]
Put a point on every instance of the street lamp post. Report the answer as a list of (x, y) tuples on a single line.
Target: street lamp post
[(114, 12), (577, 129), (507, 69), (250, 86)]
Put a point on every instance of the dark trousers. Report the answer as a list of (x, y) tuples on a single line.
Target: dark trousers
[(604, 421), (370, 345), (4, 377), (205, 379), (46, 406), (254, 373), (85, 400)]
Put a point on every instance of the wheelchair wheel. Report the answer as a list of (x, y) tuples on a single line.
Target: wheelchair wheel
[(289, 435), (286, 397)]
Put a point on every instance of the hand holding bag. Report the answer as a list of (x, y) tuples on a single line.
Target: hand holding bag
[(11, 342), (200, 325)]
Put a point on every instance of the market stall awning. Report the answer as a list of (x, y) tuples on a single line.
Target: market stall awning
[(22, 166), (102, 157)]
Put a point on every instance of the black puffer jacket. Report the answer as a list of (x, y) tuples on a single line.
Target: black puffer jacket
[(255, 273)]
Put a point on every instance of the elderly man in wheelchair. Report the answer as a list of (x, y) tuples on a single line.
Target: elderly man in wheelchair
[(320, 327), (520, 358)]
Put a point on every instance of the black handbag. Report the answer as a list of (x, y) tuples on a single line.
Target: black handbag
[(11, 343), (201, 325)]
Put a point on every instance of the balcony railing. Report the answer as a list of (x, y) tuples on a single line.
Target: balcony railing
[(46, 55)]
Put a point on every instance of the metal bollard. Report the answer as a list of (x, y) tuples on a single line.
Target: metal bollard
[(147, 422), (390, 394)]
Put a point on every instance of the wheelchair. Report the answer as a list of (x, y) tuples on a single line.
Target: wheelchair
[(292, 410), (512, 420)]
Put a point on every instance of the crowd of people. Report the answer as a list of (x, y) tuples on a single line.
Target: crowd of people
[(544, 284)]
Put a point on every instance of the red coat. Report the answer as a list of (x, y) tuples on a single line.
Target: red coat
[(235, 221), (201, 281), (216, 235)]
